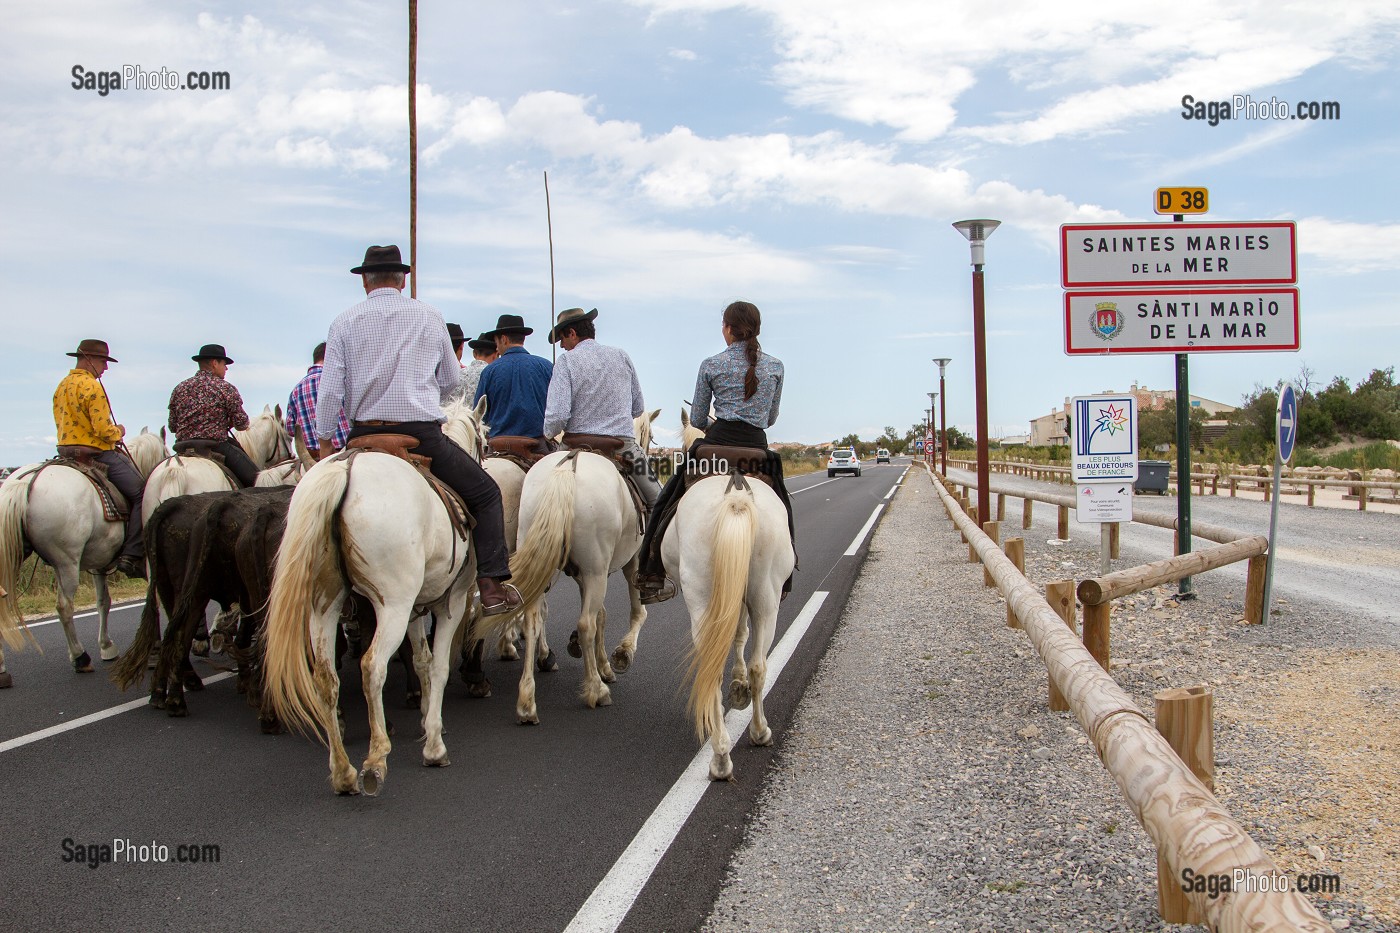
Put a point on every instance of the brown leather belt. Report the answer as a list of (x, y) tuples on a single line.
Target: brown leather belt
[(375, 424)]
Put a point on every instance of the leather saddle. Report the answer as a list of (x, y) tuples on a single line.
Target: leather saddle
[(401, 445), (203, 449), (79, 457), (717, 460), (524, 452), (605, 445)]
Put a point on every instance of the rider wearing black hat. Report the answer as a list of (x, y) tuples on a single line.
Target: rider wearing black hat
[(516, 386), (206, 407)]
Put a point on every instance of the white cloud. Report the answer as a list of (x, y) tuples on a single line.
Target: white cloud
[(1350, 247)]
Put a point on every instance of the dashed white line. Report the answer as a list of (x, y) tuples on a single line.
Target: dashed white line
[(89, 719), (610, 901), (865, 530)]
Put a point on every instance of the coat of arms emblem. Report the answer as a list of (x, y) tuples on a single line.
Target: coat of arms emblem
[(1107, 320)]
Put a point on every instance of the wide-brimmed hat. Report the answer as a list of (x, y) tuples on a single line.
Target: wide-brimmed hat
[(511, 324), (485, 343), (570, 316), (455, 332), (211, 351), (92, 347), (382, 259)]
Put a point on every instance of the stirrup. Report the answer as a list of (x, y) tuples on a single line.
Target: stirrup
[(650, 593), (506, 604)]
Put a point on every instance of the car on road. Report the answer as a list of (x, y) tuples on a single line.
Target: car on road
[(843, 460), (882, 456)]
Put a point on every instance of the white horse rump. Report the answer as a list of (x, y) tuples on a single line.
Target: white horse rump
[(729, 549)]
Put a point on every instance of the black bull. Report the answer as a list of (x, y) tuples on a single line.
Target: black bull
[(222, 547)]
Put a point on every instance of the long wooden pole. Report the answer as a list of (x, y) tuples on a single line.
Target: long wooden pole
[(413, 146), (549, 223), (1190, 827)]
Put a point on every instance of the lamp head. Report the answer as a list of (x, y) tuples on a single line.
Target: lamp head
[(942, 362), (977, 232)]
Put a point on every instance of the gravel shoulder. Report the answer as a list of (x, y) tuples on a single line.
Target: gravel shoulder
[(925, 784)]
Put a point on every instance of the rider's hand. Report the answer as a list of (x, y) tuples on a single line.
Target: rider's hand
[(121, 429)]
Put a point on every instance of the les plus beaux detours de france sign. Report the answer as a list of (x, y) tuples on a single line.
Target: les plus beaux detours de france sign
[(1179, 287)]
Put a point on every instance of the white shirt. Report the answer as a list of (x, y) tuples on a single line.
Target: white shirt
[(388, 358), (594, 390)]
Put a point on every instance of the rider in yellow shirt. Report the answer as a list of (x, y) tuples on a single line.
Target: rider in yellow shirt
[(83, 416)]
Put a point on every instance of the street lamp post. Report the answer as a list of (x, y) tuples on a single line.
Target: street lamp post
[(943, 362), (977, 232), (930, 433)]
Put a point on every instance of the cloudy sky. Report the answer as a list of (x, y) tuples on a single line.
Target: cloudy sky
[(807, 155)]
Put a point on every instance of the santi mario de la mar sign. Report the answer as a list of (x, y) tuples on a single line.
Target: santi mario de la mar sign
[(1155, 254), (1197, 320)]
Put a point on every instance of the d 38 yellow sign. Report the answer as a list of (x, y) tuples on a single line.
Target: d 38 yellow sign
[(1182, 200)]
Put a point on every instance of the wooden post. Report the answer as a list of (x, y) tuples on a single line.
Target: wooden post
[(1064, 523), (1027, 507), (1361, 499), (1232, 487), (1184, 718), (1001, 506), (1254, 589), (1268, 490), (1215, 484), (993, 531), (967, 510), (1312, 494), (1096, 631), (1113, 542), (1060, 595), (1015, 549)]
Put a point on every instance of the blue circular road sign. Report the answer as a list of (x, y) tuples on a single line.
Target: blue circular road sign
[(1287, 428)]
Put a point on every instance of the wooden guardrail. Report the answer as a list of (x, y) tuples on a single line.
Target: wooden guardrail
[(1364, 488), (1189, 826)]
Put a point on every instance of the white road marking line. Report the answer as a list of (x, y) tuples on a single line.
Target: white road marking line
[(811, 487), (614, 896), (85, 615), (91, 718), (893, 489), (869, 523)]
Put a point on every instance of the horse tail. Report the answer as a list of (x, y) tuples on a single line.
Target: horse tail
[(173, 480), (14, 500), (132, 665), (306, 577), (731, 551), (545, 548)]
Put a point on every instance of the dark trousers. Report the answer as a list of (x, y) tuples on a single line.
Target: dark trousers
[(124, 475), (455, 467), (238, 462), (728, 434)]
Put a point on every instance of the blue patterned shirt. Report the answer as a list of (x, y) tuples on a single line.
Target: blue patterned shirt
[(301, 412), (515, 386), (594, 390), (388, 358), (721, 381)]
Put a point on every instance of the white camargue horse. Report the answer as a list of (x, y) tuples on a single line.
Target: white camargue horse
[(380, 528), (575, 509), (729, 549), (60, 515), (265, 442)]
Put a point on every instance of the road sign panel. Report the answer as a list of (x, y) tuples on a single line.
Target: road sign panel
[(1157, 254), (1286, 431), (1196, 320), (918, 445), (1103, 502), (1182, 201), (1103, 438)]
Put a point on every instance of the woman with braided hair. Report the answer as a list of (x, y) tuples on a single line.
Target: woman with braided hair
[(745, 386)]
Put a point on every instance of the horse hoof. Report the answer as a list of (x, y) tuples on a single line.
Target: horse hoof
[(739, 695), (157, 699), (442, 762), (531, 718), (509, 653), (575, 649), (201, 648), (763, 738), (722, 769), (6, 680), (83, 663), (479, 690), (413, 701), (190, 681), (217, 644), (110, 653), (176, 710), (621, 661), (372, 781), (547, 664)]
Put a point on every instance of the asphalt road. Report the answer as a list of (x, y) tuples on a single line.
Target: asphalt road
[(516, 835)]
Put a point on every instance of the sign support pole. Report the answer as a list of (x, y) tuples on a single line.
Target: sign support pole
[(1285, 439), (1185, 588), (1105, 530)]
